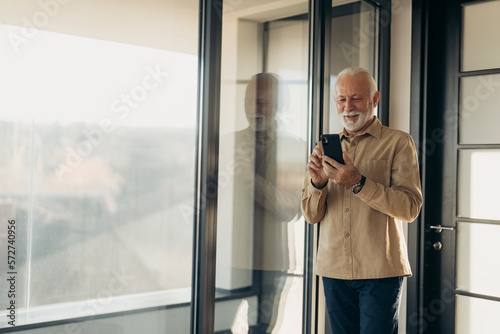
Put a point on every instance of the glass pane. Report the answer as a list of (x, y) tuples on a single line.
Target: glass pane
[(88, 126), (475, 243), (479, 101), (480, 48), (263, 156), (164, 321), (474, 315), (354, 42), (477, 185)]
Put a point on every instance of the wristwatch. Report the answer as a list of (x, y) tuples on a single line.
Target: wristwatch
[(356, 188)]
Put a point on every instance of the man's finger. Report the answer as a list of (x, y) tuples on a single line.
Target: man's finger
[(315, 160), (317, 152), (314, 166), (335, 164), (329, 169)]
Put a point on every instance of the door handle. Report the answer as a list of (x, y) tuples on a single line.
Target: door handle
[(440, 228)]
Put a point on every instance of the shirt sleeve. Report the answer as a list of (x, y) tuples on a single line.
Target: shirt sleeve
[(283, 202), (403, 198), (313, 202)]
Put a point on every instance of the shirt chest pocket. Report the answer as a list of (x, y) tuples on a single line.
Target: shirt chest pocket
[(377, 170)]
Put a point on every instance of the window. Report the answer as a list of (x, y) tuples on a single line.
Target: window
[(262, 163), (98, 127)]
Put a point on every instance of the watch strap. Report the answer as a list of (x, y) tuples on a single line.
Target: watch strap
[(356, 188)]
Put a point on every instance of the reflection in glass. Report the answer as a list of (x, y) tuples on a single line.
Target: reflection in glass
[(476, 186), (266, 163), (478, 256), (262, 159), (479, 116)]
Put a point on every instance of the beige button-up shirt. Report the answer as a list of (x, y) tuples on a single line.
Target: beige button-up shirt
[(361, 236)]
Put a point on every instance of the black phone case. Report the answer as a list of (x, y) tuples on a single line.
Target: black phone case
[(331, 147)]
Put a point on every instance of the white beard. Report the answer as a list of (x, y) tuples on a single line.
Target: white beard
[(260, 123), (354, 126)]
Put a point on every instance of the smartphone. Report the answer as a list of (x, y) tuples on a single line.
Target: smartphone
[(331, 147)]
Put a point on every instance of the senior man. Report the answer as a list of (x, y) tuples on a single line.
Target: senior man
[(360, 206)]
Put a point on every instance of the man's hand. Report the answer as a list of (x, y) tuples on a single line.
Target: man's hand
[(346, 175), (315, 169)]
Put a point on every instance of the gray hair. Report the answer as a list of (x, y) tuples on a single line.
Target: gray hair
[(352, 71)]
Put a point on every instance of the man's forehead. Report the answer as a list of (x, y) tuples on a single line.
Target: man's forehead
[(261, 89), (352, 85)]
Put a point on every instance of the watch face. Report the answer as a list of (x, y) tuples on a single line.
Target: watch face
[(357, 189)]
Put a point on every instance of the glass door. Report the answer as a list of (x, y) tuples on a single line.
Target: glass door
[(478, 156), (460, 267), (263, 149), (262, 161)]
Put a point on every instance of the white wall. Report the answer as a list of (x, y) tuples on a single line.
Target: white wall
[(399, 102)]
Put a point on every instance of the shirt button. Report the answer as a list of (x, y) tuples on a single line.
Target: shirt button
[(347, 235), (354, 144), (346, 209)]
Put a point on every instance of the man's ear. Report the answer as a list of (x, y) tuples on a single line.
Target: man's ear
[(376, 98)]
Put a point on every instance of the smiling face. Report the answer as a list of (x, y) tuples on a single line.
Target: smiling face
[(355, 104)]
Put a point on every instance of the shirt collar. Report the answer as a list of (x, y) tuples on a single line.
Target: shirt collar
[(375, 129)]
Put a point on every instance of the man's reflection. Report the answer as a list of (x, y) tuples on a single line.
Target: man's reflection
[(261, 103), (265, 197)]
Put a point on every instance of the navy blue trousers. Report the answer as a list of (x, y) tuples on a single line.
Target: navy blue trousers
[(367, 306)]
